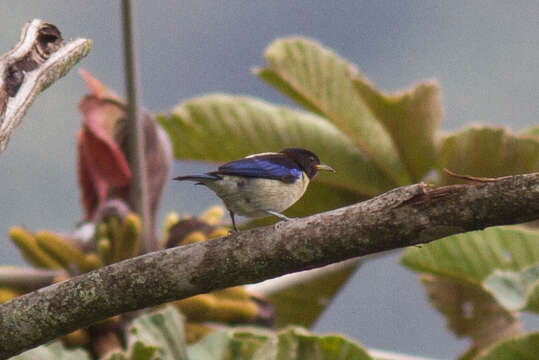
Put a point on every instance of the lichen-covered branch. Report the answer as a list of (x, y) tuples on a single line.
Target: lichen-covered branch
[(405, 216), (38, 60)]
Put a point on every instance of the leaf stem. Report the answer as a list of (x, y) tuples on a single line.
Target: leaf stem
[(135, 131)]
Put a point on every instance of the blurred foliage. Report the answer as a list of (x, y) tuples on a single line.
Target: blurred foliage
[(375, 140), (479, 280)]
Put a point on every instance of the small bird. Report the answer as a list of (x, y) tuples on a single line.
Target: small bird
[(262, 184)]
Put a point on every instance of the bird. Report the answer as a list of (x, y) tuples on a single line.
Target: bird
[(263, 184)]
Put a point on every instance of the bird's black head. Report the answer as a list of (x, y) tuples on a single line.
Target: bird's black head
[(307, 160)]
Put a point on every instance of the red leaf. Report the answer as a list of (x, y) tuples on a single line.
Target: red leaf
[(103, 169)]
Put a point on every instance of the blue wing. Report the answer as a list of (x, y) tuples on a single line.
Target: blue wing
[(274, 166)]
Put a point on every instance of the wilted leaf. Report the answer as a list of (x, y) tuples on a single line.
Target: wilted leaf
[(488, 152), (471, 311), (54, 351), (103, 169), (322, 82), (524, 347), (300, 298), (290, 343), (412, 118), (472, 256), (222, 128), (516, 291)]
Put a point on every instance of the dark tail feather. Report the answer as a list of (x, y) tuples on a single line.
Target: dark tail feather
[(198, 178)]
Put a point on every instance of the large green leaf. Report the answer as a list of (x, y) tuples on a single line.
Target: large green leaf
[(488, 152), (460, 264), (412, 117), (300, 298), (54, 351), (322, 82), (472, 312), (472, 256), (158, 335), (288, 344), (525, 347), (222, 128), (516, 291)]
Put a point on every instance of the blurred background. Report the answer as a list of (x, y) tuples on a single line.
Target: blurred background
[(484, 53)]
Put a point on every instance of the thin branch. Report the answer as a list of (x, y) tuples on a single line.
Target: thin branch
[(135, 131), (402, 217), (37, 61), (28, 279)]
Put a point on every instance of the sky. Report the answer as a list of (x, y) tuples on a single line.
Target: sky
[(484, 53)]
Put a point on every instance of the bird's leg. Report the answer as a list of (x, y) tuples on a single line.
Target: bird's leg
[(279, 215), (233, 221)]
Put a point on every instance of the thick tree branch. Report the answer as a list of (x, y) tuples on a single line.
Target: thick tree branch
[(405, 216), (37, 61)]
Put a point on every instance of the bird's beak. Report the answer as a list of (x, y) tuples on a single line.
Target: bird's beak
[(324, 167)]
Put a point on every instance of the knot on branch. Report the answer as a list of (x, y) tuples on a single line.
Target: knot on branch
[(36, 61), (35, 51)]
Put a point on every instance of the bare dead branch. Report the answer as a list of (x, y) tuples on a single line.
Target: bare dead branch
[(405, 216), (38, 60)]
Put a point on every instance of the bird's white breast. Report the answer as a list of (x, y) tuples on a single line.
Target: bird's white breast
[(252, 196)]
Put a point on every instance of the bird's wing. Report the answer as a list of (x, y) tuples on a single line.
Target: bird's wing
[(267, 166)]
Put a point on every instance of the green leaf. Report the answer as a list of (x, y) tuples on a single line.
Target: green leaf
[(300, 298), (488, 152), (516, 291), (472, 256), (158, 335), (460, 264), (222, 128), (322, 82), (533, 131), (472, 312), (54, 351), (290, 343), (211, 347), (525, 347), (412, 118)]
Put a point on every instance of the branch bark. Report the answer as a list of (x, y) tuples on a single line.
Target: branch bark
[(37, 61), (402, 217)]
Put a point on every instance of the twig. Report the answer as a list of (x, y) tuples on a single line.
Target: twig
[(135, 132), (389, 221), (37, 61), (28, 279), (469, 177)]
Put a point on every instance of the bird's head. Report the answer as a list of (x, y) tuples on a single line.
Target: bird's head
[(307, 160)]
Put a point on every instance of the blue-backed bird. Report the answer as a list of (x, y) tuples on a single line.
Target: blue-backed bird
[(263, 184)]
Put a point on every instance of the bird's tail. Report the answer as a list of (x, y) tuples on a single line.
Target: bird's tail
[(198, 178)]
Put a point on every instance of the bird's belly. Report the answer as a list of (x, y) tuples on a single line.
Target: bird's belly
[(252, 197)]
